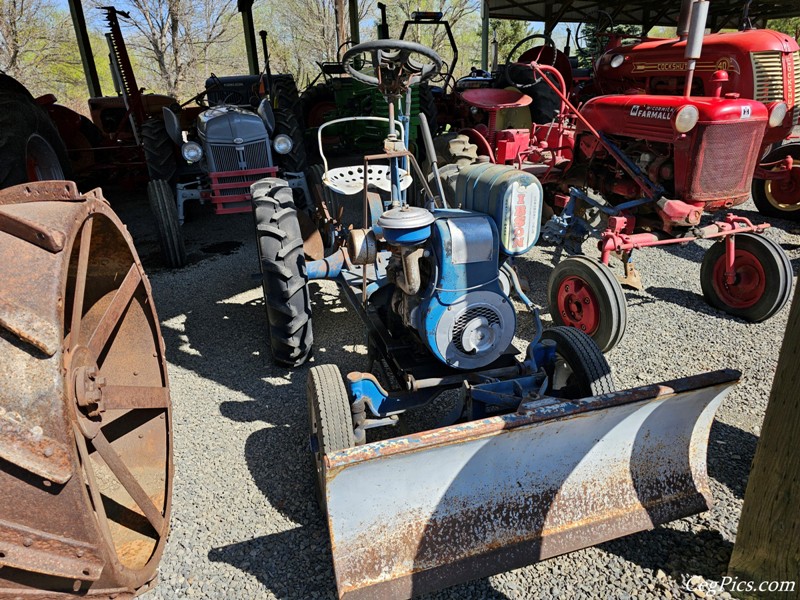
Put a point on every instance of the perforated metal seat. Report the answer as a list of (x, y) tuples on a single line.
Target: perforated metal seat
[(350, 180)]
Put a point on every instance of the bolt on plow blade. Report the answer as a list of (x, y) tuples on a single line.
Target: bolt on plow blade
[(419, 513)]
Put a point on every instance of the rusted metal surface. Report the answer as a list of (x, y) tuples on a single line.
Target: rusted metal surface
[(86, 468), (28, 448), (471, 500)]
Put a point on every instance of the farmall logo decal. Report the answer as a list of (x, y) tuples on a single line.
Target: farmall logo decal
[(517, 224), (723, 64), (663, 113)]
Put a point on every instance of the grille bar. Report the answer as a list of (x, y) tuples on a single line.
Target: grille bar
[(768, 76)]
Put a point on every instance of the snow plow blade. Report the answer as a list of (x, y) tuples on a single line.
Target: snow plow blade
[(422, 512)]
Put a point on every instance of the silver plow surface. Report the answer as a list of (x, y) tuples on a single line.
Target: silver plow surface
[(425, 511)]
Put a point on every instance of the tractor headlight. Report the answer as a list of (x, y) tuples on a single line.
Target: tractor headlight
[(686, 118), (282, 144), (617, 60), (777, 114), (192, 152)]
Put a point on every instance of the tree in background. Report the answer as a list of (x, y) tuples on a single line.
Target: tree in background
[(790, 26)]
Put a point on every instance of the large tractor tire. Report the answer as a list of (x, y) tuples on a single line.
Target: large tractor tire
[(317, 103), (165, 212), (85, 413), (159, 151), (780, 197), (453, 152), (283, 274), (286, 124), (30, 147), (285, 96)]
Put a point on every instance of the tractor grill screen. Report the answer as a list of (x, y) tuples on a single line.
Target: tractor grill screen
[(768, 75), (726, 157), (238, 158)]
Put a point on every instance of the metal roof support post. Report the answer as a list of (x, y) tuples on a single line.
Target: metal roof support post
[(85, 49), (246, 8), (484, 35), (355, 36)]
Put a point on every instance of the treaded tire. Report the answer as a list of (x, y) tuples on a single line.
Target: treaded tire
[(763, 195), (286, 124), (763, 278), (283, 274), (159, 151), (583, 293), (165, 211), (330, 419), (453, 152), (284, 95), (313, 103), (21, 119), (586, 369)]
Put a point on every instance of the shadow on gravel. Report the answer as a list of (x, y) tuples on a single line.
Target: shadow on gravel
[(730, 455), (692, 301)]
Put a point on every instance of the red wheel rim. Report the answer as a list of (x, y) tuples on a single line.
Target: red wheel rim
[(316, 116), (577, 304), (749, 284)]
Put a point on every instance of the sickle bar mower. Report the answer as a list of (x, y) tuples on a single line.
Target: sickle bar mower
[(539, 456)]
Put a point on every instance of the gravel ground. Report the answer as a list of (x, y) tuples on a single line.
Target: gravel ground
[(245, 523)]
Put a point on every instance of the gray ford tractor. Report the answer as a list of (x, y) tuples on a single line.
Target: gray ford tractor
[(237, 139)]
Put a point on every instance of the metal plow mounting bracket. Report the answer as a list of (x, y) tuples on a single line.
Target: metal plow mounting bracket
[(422, 512)]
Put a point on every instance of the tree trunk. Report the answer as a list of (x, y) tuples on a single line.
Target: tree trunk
[(767, 545), (341, 22)]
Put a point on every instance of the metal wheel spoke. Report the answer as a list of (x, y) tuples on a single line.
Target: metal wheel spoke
[(128, 397), (80, 282), (94, 490), (115, 310), (129, 482)]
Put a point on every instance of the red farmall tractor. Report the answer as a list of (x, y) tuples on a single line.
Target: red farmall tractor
[(645, 167), (762, 65)]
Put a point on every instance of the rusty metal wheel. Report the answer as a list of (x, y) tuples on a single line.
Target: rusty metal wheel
[(86, 438)]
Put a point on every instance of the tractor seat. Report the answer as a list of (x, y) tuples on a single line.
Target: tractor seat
[(350, 180), (495, 99)]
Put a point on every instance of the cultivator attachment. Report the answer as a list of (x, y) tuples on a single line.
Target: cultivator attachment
[(85, 426), (418, 513)]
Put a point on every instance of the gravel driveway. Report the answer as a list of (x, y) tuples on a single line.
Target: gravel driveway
[(245, 523)]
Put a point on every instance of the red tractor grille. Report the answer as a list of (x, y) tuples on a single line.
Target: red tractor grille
[(724, 160), (232, 170)]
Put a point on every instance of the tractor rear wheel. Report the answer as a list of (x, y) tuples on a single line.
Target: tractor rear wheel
[(780, 198), (453, 151), (580, 369), (30, 146), (83, 369), (285, 96), (584, 294), (159, 151), (762, 282), (293, 161), (283, 275), (330, 419), (170, 237)]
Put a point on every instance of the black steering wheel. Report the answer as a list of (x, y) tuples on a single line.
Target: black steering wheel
[(532, 78), (394, 66)]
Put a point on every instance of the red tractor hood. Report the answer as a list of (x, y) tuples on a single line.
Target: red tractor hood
[(648, 117)]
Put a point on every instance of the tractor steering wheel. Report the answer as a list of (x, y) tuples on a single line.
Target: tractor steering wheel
[(395, 69), (514, 66)]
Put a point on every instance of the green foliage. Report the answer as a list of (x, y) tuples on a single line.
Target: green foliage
[(790, 26), (593, 37)]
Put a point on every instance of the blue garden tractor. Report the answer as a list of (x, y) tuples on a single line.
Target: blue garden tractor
[(540, 455)]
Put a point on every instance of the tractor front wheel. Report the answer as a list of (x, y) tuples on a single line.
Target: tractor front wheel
[(780, 198), (580, 369), (330, 418), (283, 275), (170, 237), (762, 279), (584, 294), (159, 151)]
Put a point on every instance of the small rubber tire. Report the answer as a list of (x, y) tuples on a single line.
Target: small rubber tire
[(581, 370), (159, 151), (165, 211), (584, 294), (764, 194), (283, 275), (330, 419), (286, 124), (763, 278)]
